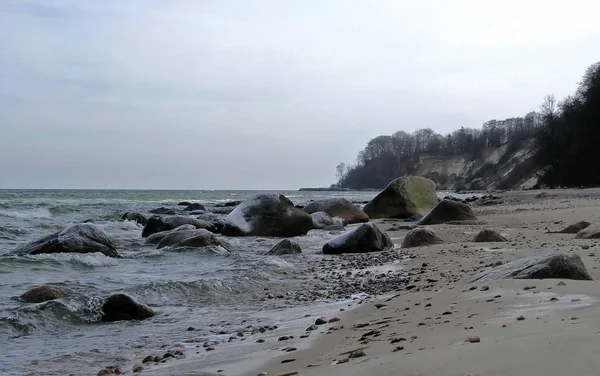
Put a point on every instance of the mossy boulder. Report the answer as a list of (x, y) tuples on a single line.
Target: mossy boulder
[(403, 198)]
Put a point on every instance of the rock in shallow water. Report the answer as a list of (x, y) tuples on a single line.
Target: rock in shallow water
[(159, 224), (366, 238), (120, 307), (321, 220), (189, 238), (560, 265), (46, 292), (76, 238), (267, 214), (158, 236), (136, 217), (338, 207), (285, 247)]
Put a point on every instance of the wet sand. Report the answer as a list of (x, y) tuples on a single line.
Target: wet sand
[(439, 324)]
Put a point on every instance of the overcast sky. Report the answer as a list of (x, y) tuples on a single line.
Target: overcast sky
[(273, 94)]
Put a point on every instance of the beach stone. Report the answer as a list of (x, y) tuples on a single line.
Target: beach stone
[(357, 354), (488, 235), (366, 238), (474, 339), (157, 224), (338, 207), (267, 214), (574, 228), (120, 307), (321, 220), (558, 265), (448, 211), (420, 237), (320, 321), (402, 198), (590, 232), (189, 238), (194, 206), (75, 238), (162, 210), (158, 236), (136, 217), (285, 247), (44, 293)]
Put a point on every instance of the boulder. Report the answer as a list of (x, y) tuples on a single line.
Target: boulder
[(44, 293), (448, 211), (267, 214), (76, 238), (402, 198), (158, 224), (574, 228), (420, 237), (338, 207), (363, 239), (120, 307), (321, 220), (136, 217), (184, 203), (285, 247), (158, 236), (589, 232), (229, 204), (488, 235), (163, 211), (189, 238), (559, 265), (195, 206)]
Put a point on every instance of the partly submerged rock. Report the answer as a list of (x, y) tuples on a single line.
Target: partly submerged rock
[(321, 220), (488, 235), (338, 207), (136, 217), (158, 236), (448, 211), (420, 237), (285, 247), (120, 307), (189, 238), (402, 198), (158, 224), (164, 211), (363, 239), (267, 214), (195, 206), (76, 238), (559, 265), (45, 292)]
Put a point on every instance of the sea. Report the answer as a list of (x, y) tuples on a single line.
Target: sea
[(187, 288)]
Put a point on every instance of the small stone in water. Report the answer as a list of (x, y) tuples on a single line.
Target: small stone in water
[(148, 359), (283, 338), (138, 368), (320, 321), (473, 339), (288, 361), (311, 328), (521, 318)]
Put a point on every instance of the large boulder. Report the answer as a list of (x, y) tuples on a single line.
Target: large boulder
[(76, 238), (448, 211), (321, 220), (488, 235), (158, 236), (267, 214), (195, 206), (420, 237), (164, 211), (285, 247), (120, 307), (189, 238), (363, 239), (402, 198), (338, 207), (558, 265), (158, 224), (136, 217), (589, 232), (45, 292)]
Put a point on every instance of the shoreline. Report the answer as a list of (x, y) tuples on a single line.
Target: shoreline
[(443, 311)]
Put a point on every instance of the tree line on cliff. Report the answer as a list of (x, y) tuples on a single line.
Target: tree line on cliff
[(565, 135)]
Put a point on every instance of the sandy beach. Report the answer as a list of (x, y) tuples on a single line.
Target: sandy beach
[(443, 325)]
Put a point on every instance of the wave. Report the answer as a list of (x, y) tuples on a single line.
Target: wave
[(26, 213)]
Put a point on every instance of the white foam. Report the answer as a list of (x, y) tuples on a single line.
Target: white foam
[(88, 259), (26, 214)]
